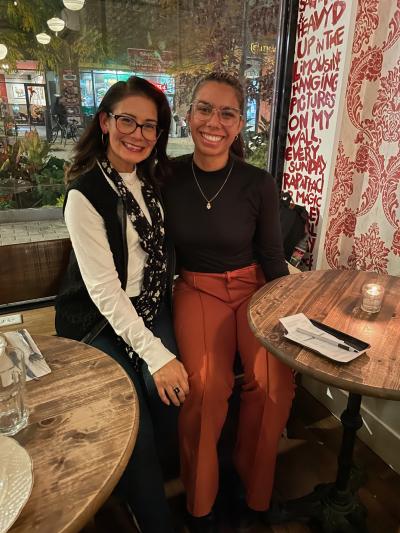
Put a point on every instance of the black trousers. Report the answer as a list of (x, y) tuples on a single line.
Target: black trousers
[(141, 485)]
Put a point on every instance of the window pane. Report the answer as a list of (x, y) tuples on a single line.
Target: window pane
[(171, 43)]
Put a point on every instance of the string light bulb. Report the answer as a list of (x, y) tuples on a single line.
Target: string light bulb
[(43, 38), (3, 51), (56, 24), (74, 5)]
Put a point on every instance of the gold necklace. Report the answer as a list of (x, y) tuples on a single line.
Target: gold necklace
[(209, 200)]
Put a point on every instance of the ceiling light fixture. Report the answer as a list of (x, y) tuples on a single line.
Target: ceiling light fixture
[(43, 38), (74, 5), (56, 24)]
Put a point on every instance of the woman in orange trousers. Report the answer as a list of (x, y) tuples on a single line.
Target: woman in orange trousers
[(223, 216)]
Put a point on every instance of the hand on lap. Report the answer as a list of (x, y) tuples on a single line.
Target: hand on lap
[(172, 382)]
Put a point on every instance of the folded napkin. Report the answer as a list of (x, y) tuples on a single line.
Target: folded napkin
[(304, 331), (36, 365)]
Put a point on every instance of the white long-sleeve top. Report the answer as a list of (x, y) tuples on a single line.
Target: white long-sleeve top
[(89, 240)]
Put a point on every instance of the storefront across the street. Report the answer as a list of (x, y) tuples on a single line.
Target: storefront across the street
[(95, 83)]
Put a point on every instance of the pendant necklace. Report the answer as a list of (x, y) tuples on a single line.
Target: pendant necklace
[(209, 200)]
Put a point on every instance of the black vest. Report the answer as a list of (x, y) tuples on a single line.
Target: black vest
[(76, 314)]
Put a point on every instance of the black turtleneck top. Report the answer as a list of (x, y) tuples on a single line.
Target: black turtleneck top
[(242, 227)]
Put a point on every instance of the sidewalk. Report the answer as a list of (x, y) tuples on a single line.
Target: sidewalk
[(36, 230)]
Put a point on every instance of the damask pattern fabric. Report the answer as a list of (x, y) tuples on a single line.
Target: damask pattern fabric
[(364, 217)]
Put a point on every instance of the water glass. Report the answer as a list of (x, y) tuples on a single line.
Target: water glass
[(13, 411)]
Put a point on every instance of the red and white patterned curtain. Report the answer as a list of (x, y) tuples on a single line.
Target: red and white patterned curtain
[(363, 228)]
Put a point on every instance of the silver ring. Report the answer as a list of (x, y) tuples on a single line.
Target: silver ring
[(177, 390)]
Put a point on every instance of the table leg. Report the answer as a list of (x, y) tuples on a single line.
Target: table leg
[(335, 507)]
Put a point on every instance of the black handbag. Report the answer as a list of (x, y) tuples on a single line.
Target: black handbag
[(294, 223)]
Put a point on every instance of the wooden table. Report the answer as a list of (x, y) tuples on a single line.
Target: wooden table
[(82, 429), (334, 297)]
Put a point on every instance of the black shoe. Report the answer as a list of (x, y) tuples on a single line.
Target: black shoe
[(276, 514), (115, 516), (202, 524), (244, 518)]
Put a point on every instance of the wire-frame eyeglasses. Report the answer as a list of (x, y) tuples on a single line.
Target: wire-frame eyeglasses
[(228, 116)]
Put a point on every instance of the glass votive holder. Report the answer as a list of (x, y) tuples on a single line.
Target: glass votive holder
[(372, 296)]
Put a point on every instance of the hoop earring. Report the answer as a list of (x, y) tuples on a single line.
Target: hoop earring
[(237, 137)]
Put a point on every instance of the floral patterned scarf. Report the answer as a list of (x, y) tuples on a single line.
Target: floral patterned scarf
[(152, 241)]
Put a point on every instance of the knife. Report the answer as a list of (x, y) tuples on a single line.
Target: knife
[(28, 342)]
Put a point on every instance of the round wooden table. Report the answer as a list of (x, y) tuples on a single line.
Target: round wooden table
[(333, 297), (82, 428)]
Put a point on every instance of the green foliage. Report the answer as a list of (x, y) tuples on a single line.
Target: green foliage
[(50, 181), (60, 201), (29, 177), (34, 152), (258, 157), (6, 204), (216, 35), (47, 195), (12, 171), (256, 144)]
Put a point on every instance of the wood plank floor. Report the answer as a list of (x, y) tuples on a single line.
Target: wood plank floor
[(307, 457)]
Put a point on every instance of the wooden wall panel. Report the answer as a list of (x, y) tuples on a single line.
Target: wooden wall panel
[(32, 270)]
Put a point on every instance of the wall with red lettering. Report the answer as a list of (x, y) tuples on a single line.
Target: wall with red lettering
[(323, 32), (363, 219)]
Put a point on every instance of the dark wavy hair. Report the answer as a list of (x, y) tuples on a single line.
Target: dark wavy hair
[(237, 147), (91, 145)]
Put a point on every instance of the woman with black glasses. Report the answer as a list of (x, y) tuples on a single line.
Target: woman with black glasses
[(115, 292), (223, 217)]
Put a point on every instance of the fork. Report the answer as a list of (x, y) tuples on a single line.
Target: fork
[(33, 356)]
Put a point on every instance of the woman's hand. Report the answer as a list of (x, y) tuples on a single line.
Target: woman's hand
[(172, 382)]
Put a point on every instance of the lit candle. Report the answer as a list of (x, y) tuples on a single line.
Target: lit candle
[(372, 297)]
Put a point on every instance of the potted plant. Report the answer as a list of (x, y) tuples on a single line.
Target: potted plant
[(29, 175)]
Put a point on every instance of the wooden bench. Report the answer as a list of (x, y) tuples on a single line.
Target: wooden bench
[(30, 275)]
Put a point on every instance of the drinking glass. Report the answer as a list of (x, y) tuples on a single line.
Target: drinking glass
[(13, 411)]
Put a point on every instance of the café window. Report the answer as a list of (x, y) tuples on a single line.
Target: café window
[(171, 43)]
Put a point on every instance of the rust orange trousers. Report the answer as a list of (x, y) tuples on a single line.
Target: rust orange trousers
[(210, 318)]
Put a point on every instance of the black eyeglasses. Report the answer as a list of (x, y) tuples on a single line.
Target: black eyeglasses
[(127, 125)]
